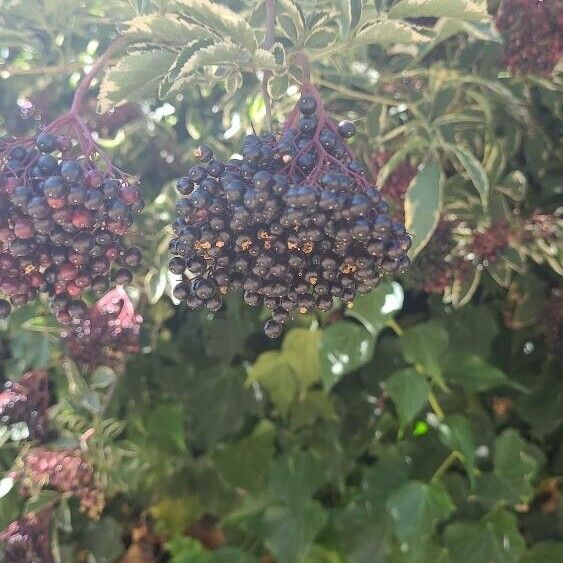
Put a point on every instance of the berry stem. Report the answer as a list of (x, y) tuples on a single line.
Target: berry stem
[(269, 39), (84, 86)]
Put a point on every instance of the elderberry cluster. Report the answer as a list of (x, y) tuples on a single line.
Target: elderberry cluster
[(26, 401), (293, 223), (27, 540), (106, 335), (62, 221)]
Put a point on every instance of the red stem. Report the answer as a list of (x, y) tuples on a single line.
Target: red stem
[(84, 86)]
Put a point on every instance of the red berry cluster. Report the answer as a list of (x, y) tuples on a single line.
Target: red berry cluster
[(487, 244), (293, 223), (396, 185), (108, 332), (65, 471), (26, 400), (27, 540), (64, 211), (433, 270), (533, 42)]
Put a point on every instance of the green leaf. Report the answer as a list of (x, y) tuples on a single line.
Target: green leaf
[(221, 20), (514, 185), (103, 539), (474, 170), (289, 533), (134, 77), (495, 538), (294, 478), (245, 464), (300, 349), (423, 205), (387, 32), (465, 284), (409, 391), (469, 10), (165, 29), (275, 374), (320, 38), (426, 345), (416, 509), (187, 550), (231, 555), (11, 502), (344, 347), (102, 378), (544, 552), (472, 330), (41, 501), (165, 425), (278, 85), (218, 403), (375, 308), (291, 20), (308, 410), (474, 373), (456, 434), (516, 463), (380, 480)]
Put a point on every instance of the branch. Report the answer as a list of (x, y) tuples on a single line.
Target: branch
[(84, 86)]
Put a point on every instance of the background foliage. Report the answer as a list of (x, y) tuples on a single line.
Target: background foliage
[(423, 424)]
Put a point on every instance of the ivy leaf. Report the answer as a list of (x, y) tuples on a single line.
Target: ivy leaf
[(468, 10), (375, 308), (289, 533), (423, 205), (294, 478), (223, 21), (456, 434), (473, 373), (381, 479), (416, 509), (344, 347), (409, 391), (134, 77), (516, 463), (495, 538), (474, 170), (245, 464), (426, 345), (218, 404)]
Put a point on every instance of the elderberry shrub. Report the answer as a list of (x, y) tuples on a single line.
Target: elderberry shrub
[(292, 224), (62, 220), (26, 400)]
